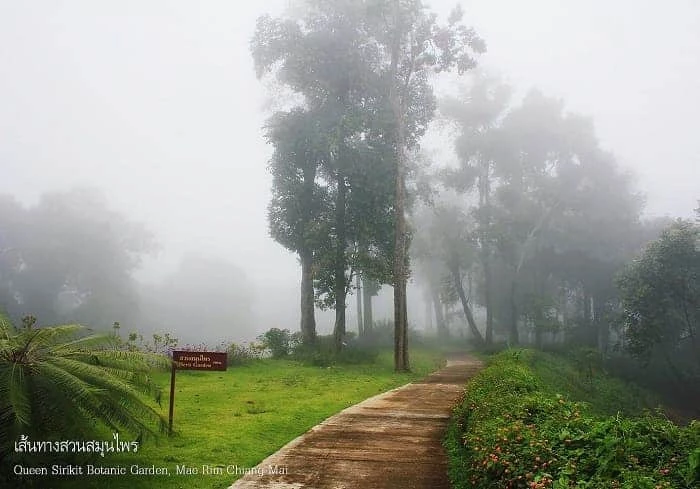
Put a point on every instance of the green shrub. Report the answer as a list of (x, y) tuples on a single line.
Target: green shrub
[(381, 335), (279, 342), (59, 382), (515, 428), (323, 353), (240, 354), (160, 343)]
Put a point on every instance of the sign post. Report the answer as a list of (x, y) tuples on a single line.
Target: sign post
[(192, 360)]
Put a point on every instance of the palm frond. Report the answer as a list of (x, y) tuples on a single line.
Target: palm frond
[(122, 389), (136, 379), (55, 378), (6, 327), (49, 336), (83, 343), (91, 373), (6, 410), (76, 387), (17, 394), (134, 357)]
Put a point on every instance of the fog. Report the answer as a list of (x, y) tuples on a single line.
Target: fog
[(157, 105)]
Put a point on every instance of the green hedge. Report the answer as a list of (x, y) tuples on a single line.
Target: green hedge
[(517, 427)]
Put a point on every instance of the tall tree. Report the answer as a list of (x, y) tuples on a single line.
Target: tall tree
[(661, 297), (358, 299), (478, 112), (594, 235), (324, 57), (371, 218), (298, 200), (443, 248), (71, 258), (370, 288), (368, 63), (455, 239), (366, 227), (415, 46), (552, 209)]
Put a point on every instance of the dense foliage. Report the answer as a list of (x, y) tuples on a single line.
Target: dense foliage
[(530, 225), (521, 426), (279, 342), (661, 299), (362, 97), (70, 258), (61, 381)]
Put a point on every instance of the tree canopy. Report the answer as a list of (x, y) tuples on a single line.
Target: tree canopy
[(363, 69), (660, 292), (70, 258)]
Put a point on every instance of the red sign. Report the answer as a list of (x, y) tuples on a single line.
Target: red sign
[(199, 360)]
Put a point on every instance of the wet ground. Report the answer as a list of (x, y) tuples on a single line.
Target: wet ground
[(390, 441)]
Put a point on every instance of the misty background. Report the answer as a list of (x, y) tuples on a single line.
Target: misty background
[(156, 105)]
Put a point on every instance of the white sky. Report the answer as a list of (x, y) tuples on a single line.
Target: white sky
[(156, 103)]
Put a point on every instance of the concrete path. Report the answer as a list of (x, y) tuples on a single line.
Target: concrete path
[(390, 441)]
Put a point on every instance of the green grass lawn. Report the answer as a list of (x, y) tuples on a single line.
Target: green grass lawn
[(239, 417)]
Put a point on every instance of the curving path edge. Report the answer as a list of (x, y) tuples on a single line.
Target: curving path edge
[(389, 441)]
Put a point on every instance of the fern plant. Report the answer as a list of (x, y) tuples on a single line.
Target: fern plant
[(62, 381)]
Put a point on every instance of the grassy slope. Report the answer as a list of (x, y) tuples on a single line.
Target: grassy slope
[(240, 416), (522, 424), (579, 377)]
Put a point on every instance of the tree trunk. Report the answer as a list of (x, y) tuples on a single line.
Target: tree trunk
[(563, 314), (538, 329), (396, 94), (308, 319), (358, 293), (538, 279), (603, 337), (489, 300), (467, 310), (400, 318), (446, 316), (513, 336), (442, 330), (588, 335), (484, 226), (428, 300), (367, 303), (602, 327), (340, 285)]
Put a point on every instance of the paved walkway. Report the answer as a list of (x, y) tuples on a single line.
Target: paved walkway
[(390, 441)]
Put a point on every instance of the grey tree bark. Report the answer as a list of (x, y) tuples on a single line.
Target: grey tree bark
[(358, 293), (340, 264), (467, 310), (441, 327), (367, 304), (308, 319)]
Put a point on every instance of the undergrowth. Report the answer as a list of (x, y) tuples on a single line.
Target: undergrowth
[(523, 423)]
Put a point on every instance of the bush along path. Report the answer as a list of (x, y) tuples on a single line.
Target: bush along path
[(518, 427), (390, 441)]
